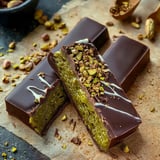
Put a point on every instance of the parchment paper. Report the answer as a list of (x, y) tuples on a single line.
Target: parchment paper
[(144, 93)]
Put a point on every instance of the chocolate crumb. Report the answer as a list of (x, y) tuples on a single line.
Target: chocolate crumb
[(109, 24), (45, 37), (76, 140), (114, 37), (73, 124), (113, 155), (57, 135)]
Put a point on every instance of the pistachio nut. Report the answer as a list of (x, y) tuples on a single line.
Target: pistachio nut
[(150, 28), (14, 3)]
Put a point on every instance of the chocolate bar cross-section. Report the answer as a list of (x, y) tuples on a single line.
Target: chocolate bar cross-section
[(94, 91)]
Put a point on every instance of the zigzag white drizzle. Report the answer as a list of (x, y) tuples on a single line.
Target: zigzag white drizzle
[(111, 85), (114, 93), (116, 110), (36, 95)]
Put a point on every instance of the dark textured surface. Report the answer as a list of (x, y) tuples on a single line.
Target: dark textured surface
[(25, 151), (8, 34)]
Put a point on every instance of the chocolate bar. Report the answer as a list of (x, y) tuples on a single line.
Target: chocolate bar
[(15, 148), (126, 58), (92, 88), (40, 96)]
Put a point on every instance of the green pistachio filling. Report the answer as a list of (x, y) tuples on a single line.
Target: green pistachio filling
[(90, 117), (47, 109)]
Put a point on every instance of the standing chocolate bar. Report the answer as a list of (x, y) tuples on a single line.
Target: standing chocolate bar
[(102, 104)]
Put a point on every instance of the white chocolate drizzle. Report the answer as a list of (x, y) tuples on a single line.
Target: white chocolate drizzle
[(44, 81), (113, 92), (101, 58), (33, 88), (83, 41), (117, 110)]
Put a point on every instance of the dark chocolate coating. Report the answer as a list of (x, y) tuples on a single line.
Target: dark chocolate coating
[(20, 102), (120, 117), (95, 32), (25, 151), (126, 58)]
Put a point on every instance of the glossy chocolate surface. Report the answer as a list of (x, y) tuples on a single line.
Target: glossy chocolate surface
[(126, 58), (20, 101), (119, 115)]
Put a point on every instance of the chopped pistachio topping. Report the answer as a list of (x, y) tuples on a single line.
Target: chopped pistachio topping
[(90, 71)]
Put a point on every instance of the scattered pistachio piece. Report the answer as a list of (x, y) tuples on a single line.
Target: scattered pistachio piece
[(150, 28), (6, 143), (65, 31), (64, 117), (53, 44), (21, 67), (14, 3), (49, 25), (45, 47), (38, 14), (34, 44), (10, 50), (28, 67), (15, 66), (152, 109), (140, 36), (12, 45), (135, 25), (13, 149), (57, 18), (62, 25), (90, 143), (1, 89), (109, 24), (64, 146), (4, 154), (125, 148), (5, 79), (16, 76), (6, 64), (1, 54)]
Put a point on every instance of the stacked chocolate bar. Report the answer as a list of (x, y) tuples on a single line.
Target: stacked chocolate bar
[(39, 98)]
